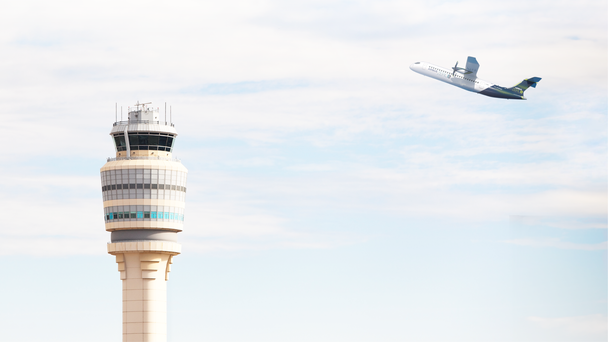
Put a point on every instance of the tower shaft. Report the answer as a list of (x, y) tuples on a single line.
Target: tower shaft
[(144, 268)]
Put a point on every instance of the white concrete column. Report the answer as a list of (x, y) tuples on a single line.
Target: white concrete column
[(144, 275)]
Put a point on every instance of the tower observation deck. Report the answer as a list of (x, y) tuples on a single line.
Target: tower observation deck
[(144, 192)]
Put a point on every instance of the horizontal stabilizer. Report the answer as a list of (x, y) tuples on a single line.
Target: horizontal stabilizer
[(533, 81), (527, 83)]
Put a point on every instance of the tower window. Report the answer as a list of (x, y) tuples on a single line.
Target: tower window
[(144, 141), (136, 214)]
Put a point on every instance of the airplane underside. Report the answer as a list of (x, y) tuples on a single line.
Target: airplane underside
[(500, 92)]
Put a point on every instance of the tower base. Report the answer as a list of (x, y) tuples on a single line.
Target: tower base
[(144, 269)]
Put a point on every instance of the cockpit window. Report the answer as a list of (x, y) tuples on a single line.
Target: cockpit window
[(417, 63)]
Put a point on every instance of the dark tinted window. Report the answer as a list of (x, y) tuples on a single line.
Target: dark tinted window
[(145, 141), (120, 141), (153, 140)]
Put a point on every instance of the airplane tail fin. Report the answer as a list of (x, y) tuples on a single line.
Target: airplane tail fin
[(472, 65), (525, 84)]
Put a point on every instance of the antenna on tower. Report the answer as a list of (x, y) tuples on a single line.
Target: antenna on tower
[(143, 105), (170, 116), (116, 112), (120, 113), (165, 113)]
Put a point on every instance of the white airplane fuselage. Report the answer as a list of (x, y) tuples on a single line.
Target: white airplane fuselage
[(468, 80), (457, 79)]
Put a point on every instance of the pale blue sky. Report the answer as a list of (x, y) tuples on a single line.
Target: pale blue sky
[(333, 194)]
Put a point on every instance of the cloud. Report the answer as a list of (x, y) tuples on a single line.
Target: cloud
[(41, 245), (431, 28), (308, 86), (311, 167), (557, 243), (246, 87), (580, 326), (559, 222), (286, 241), (246, 224)]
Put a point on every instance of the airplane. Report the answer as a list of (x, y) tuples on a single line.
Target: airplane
[(466, 78)]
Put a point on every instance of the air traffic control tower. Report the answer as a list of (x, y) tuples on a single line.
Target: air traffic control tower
[(144, 192)]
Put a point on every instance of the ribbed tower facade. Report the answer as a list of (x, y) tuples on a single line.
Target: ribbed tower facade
[(144, 191)]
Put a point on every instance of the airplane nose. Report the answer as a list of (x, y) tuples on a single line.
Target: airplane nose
[(414, 66)]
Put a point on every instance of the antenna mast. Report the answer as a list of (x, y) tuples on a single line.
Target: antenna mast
[(143, 105)]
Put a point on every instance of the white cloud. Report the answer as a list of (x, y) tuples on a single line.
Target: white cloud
[(437, 150), (580, 326), (41, 245), (311, 167), (287, 241), (559, 222), (557, 243)]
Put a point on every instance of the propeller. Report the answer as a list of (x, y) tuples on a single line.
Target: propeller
[(460, 70)]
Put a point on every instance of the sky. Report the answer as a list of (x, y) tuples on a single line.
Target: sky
[(333, 194)]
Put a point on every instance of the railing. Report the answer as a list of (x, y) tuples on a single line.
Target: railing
[(117, 123), (145, 158), (142, 110)]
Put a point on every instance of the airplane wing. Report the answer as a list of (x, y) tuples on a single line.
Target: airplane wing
[(472, 65)]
